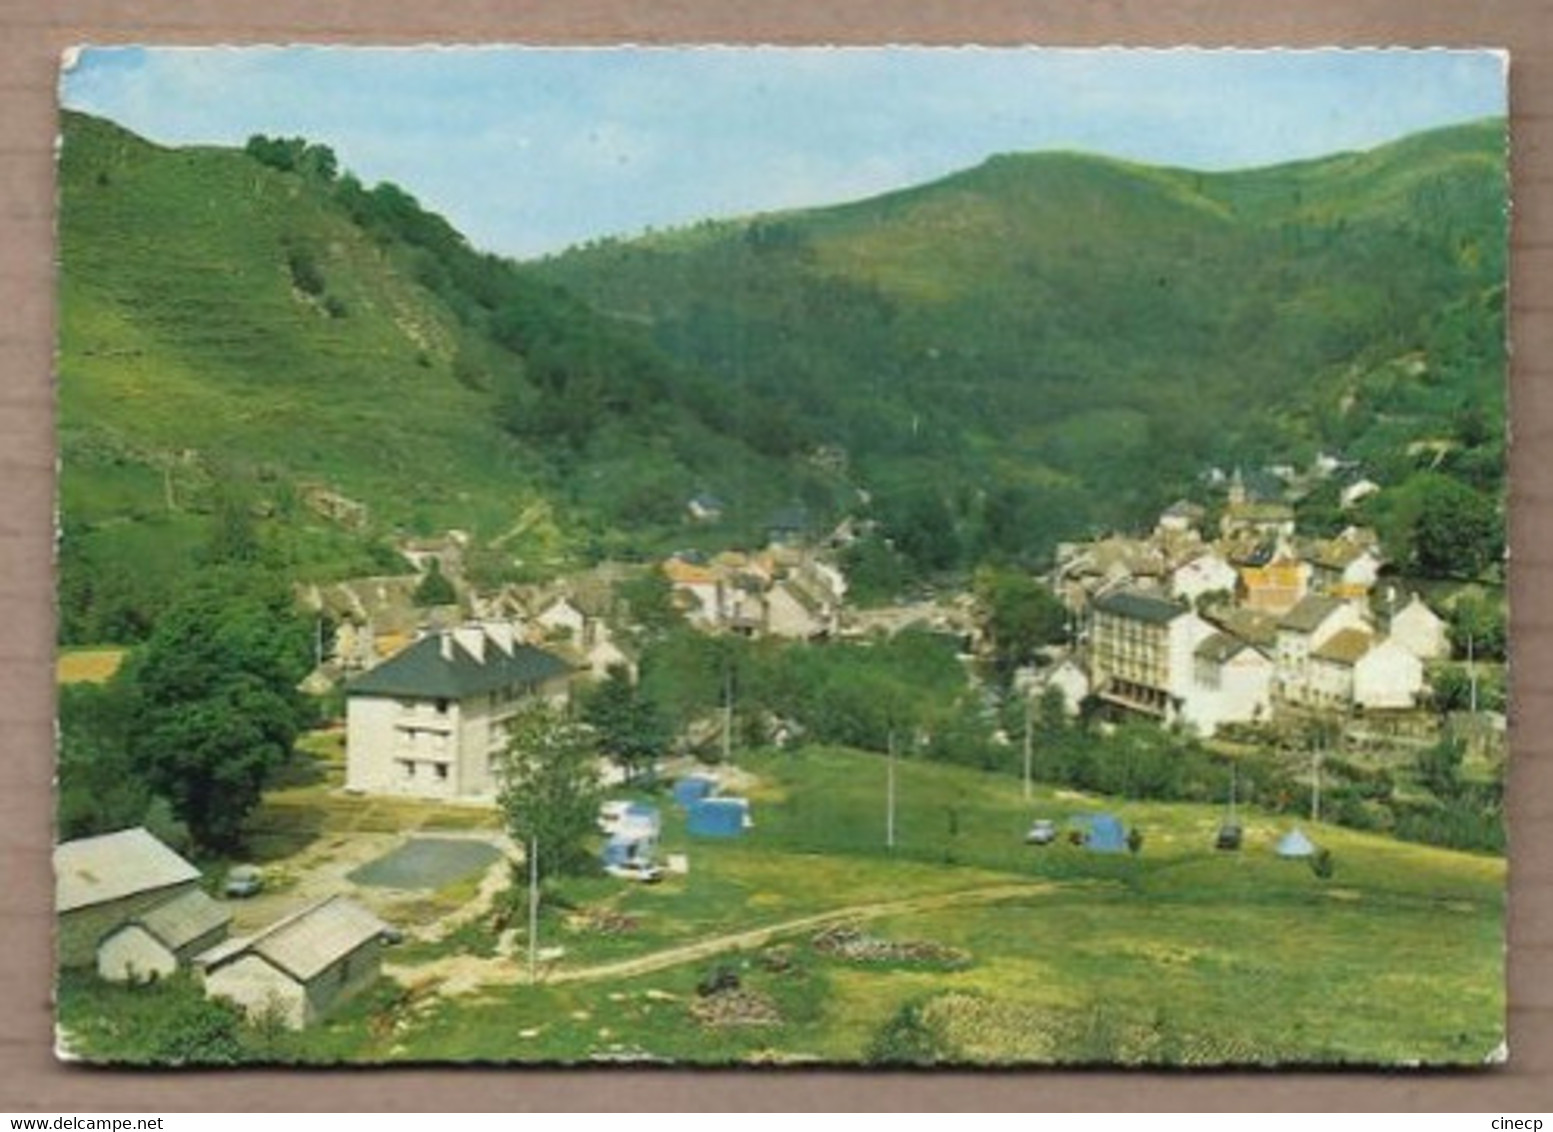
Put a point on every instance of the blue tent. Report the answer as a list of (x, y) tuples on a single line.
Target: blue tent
[(716, 817), (688, 791), (1106, 835)]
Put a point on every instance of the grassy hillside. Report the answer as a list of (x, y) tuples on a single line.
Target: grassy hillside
[(236, 337), (1179, 955), (1051, 342), (1032, 349)]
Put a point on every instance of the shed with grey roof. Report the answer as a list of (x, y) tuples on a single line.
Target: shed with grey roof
[(158, 942), (299, 968), (102, 883)]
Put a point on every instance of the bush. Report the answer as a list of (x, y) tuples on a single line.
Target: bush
[(1322, 865), (907, 1038)]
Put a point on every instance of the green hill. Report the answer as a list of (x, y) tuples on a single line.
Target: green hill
[(244, 334), (252, 343), (1049, 343)]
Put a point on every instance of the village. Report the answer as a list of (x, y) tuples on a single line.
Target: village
[(1237, 628)]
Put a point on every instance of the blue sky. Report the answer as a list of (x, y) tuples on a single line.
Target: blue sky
[(529, 150)]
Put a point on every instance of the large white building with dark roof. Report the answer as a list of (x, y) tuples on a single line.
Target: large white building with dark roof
[(429, 721), (1141, 652)]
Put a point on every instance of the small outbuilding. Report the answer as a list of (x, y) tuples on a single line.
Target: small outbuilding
[(102, 883), (299, 968), (718, 817), (155, 944)]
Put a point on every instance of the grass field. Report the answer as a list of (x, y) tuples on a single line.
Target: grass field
[(87, 666), (1178, 955)]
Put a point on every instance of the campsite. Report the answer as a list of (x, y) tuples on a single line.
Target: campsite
[(997, 951)]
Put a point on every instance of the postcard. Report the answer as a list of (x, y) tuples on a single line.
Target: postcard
[(728, 556)]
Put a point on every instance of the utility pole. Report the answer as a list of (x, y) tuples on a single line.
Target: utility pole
[(1315, 785), (727, 711), (1472, 677), (889, 795), (533, 910), (1027, 748)]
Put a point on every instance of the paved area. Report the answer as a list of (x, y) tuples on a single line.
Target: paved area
[(426, 862)]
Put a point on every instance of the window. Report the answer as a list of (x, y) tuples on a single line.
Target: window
[(442, 707), (442, 771), (408, 766)]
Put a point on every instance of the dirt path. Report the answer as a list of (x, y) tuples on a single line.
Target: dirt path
[(460, 974)]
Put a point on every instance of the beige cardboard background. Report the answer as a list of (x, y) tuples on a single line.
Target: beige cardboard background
[(31, 37)]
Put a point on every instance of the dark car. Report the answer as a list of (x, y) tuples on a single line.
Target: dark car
[(1229, 836)]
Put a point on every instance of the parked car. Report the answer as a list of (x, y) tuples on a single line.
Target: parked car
[(644, 871), (1042, 832), (391, 935), (1229, 836), (242, 881)]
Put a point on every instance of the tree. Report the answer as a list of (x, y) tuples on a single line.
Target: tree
[(550, 788), (98, 791), (216, 706), (1457, 531), (629, 726), (1020, 616), (434, 588)]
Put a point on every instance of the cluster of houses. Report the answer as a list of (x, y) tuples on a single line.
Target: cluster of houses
[(134, 910), (784, 591), (1242, 628)]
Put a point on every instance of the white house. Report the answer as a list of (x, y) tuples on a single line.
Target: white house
[(1388, 676), (1180, 517), (157, 942), (299, 968), (429, 721), (1071, 681), (1343, 568), (1329, 676), (1204, 573), (561, 619), (1421, 631), (1356, 492), (1303, 630), (1232, 684)]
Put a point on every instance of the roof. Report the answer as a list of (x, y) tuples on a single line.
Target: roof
[(1221, 648), (683, 573), (1140, 607), (306, 942), (422, 671), (185, 918), (1337, 554), (1309, 613), (1345, 647), (1247, 624), (1185, 509), (95, 870)]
